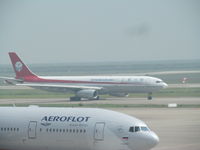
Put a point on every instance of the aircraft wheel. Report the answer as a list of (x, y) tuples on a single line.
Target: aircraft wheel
[(149, 96)]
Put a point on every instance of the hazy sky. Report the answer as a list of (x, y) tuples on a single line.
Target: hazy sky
[(55, 31)]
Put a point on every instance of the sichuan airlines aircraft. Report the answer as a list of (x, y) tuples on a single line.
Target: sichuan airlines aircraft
[(37, 128), (88, 87)]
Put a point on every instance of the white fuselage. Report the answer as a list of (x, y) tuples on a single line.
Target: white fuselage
[(36, 128), (111, 84)]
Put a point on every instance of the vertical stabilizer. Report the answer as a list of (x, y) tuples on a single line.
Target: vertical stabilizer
[(21, 70)]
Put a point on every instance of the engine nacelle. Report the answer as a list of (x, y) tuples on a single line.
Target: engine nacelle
[(89, 94), (119, 94)]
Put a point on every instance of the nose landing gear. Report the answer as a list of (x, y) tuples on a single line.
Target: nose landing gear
[(149, 96)]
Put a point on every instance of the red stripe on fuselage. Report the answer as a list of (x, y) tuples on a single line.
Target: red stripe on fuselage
[(41, 80)]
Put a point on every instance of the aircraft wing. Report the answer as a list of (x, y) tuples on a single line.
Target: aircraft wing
[(10, 80), (58, 87)]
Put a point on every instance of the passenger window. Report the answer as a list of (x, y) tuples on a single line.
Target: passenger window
[(137, 129)]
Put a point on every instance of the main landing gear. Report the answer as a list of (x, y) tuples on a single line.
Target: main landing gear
[(75, 98), (149, 96)]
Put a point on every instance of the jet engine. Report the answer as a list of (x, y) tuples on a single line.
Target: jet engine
[(89, 94)]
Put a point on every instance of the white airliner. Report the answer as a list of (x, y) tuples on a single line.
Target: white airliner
[(88, 87), (37, 128)]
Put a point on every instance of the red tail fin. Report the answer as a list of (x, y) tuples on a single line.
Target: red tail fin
[(21, 70)]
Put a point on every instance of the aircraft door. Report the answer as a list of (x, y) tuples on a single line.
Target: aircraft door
[(99, 131), (32, 129)]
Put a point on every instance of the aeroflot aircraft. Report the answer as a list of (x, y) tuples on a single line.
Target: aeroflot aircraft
[(84, 86), (37, 128)]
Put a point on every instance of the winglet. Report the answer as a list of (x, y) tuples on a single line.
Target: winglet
[(21, 70)]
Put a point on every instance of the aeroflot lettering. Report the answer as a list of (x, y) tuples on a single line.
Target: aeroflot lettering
[(65, 118)]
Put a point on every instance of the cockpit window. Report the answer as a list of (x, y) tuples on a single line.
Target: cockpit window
[(159, 81), (131, 129), (144, 129), (138, 129), (134, 129)]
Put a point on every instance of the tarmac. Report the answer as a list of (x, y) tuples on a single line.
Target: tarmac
[(122, 100), (177, 128)]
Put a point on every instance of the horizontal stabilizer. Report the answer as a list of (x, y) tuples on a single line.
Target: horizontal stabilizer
[(10, 78)]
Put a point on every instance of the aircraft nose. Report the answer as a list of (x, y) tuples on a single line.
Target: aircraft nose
[(143, 141), (165, 85), (153, 140)]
